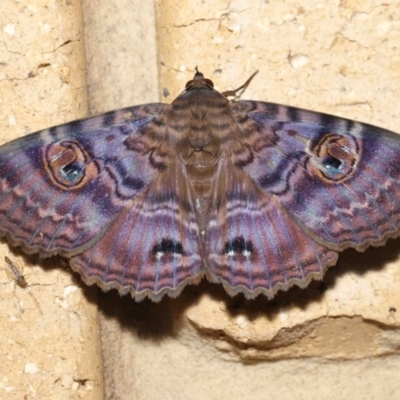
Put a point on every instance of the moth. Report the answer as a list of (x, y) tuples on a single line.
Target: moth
[(254, 195)]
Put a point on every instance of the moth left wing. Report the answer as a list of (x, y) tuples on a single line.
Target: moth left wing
[(60, 188), (153, 246)]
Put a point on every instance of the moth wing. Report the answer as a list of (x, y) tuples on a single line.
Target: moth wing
[(338, 179), (60, 188), (152, 248), (254, 244)]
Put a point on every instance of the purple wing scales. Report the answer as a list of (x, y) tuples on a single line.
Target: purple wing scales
[(154, 244), (256, 247), (255, 195), (324, 170), (61, 187)]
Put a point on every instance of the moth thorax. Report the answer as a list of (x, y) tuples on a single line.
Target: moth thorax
[(199, 140)]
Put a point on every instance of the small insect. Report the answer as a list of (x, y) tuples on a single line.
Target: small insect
[(19, 278), (254, 195), (21, 281)]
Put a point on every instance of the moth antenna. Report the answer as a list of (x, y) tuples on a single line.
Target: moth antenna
[(234, 93)]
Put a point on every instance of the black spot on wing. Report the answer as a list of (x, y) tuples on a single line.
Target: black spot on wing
[(109, 119), (168, 246), (238, 245), (75, 127)]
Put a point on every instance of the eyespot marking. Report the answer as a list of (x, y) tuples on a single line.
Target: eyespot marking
[(69, 165)]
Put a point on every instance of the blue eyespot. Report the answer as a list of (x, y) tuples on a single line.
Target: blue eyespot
[(332, 165), (71, 172)]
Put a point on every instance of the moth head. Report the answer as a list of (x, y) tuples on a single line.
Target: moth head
[(199, 82)]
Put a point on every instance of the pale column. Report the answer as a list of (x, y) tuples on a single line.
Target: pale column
[(121, 53)]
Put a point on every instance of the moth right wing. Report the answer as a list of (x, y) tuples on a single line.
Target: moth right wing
[(254, 245)]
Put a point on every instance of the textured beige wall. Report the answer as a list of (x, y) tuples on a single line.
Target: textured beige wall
[(49, 340)]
